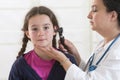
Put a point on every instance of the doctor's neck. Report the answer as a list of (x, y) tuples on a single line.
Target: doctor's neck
[(110, 37)]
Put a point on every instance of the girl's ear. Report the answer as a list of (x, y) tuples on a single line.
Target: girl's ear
[(27, 34), (55, 30)]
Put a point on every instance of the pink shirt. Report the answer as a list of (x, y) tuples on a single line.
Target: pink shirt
[(41, 67)]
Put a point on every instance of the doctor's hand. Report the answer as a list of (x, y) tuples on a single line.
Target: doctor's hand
[(70, 49), (57, 55)]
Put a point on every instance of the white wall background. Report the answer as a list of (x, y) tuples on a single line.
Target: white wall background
[(71, 14)]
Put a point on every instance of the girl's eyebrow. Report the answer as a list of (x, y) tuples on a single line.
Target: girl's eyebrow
[(35, 25), (46, 24)]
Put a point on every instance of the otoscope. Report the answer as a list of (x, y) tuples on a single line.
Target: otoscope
[(60, 30)]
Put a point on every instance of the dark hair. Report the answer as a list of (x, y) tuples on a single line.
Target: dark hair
[(34, 11), (113, 5)]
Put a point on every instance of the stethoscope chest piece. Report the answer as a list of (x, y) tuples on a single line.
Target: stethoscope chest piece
[(92, 68)]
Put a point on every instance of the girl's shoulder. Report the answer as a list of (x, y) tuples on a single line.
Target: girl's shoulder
[(19, 62)]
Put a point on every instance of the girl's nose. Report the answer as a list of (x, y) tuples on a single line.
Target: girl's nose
[(40, 32)]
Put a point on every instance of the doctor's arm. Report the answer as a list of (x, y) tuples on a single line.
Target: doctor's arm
[(108, 70), (70, 49), (74, 72)]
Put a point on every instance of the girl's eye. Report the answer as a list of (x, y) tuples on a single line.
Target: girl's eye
[(46, 27), (34, 29)]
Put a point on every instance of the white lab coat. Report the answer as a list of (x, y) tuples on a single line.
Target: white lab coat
[(107, 69)]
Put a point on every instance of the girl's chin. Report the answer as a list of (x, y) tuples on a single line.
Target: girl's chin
[(42, 46)]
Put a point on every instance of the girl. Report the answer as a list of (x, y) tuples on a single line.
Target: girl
[(40, 27)]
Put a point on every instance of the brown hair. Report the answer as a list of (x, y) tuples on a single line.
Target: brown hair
[(113, 5)]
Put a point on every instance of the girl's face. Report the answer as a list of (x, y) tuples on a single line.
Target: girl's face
[(99, 17), (40, 31)]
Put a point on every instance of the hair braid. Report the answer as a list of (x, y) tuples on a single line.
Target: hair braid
[(22, 50)]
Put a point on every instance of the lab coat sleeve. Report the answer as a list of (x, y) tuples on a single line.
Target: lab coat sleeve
[(82, 65), (74, 73)]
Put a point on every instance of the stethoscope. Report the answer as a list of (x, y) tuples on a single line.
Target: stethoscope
[(90, 61)]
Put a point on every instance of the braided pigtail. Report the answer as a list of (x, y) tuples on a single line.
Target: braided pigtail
[(22, 50)]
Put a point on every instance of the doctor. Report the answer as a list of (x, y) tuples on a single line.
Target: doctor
[(104, 64)]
